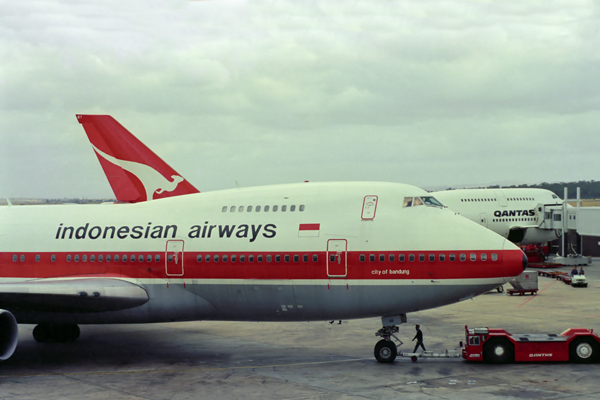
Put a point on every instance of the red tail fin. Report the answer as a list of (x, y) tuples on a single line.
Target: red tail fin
[(134, 172)]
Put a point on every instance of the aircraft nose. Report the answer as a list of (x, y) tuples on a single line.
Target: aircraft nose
[(525, 262), (514, 260)]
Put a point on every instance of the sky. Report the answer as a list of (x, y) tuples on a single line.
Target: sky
[(435, 94)]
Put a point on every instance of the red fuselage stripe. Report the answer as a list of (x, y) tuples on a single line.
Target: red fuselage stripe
[(282, 265)]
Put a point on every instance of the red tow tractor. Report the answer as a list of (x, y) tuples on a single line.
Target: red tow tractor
[(498, 346)]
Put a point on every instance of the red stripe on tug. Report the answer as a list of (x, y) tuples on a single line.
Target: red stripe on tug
[(373, 265)]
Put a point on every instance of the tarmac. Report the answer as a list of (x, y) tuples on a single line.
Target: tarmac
[(316, 360)]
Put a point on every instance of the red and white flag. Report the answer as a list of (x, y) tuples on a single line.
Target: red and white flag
[(309, 230)]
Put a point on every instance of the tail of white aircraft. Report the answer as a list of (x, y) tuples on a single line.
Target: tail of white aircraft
[(134, 172)]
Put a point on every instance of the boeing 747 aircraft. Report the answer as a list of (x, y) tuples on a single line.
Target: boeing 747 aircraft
[(296, 252)]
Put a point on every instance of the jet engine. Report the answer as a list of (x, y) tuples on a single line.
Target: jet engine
[(9, 333)]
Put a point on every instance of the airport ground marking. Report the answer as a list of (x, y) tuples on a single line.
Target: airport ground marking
[(155, 371), (534, 296)]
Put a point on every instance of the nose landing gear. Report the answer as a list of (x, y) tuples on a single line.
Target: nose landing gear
[(386, 350)]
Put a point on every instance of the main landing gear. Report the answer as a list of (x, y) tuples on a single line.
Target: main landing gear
[(56, 333), (386, 350)]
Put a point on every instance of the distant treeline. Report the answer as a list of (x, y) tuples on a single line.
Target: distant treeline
[(589, 189)]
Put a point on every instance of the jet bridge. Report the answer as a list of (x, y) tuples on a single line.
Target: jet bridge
[(565, 219)]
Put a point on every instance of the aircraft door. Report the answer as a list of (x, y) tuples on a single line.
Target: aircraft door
[(483, 219), (501, 198), (337, 266), (174, 258)]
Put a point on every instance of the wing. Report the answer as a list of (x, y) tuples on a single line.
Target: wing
[(72, 295)]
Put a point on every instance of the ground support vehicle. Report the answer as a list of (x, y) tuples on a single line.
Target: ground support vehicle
[(578, 281), (498, 346), (525, 283)]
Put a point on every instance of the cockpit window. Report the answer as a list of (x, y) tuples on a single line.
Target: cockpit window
[(429, 201)]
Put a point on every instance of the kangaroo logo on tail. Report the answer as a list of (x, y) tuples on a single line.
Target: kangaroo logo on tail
[(152, 180)]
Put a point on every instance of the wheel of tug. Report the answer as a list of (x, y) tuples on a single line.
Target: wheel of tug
[(498, 351), (385, 351), (414, 359), (500, 289), (584, 350), (51, 333)]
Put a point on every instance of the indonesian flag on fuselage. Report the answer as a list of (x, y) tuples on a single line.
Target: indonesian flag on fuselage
[(309, 230)]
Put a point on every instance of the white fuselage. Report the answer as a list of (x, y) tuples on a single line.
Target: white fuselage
[(338, 251), (512, 213)]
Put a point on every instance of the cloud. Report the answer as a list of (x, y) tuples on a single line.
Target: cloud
[(422, 92)]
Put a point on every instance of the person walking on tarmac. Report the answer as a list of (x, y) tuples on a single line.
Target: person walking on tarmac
[(419, 337)]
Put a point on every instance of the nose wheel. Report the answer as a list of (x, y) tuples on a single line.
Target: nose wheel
[(386, 350)]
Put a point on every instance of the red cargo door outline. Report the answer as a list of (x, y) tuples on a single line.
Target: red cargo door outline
[(337, 266), (174, 258)]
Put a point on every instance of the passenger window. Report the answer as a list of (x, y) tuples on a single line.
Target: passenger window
[(224, 209), (108, 258), (463, 257), (242, 258), (92, 258), (421, 257), (401, 258), (224, 258), (371, 257), (198, 258), (483, 257), (241, 209), (473, 257), (259, 258), (207, 258), (442, 257), (494, 257), (132, 258), (362, 258), (117, 258), (286, 258), (296, 258), (301, 208), (315, 258), (100, 258), (432, 257), (275, 208), (232, 209), (278, 258), (14, 258), (269, 258), (148, 258), (216, 258), (250, 258), (157, 258), (233, 258), (83, 258), (381, 258), (392, 258), (292, 208), (305, 258), (257, 208), (170, 258), (249, 209), (266, 208), (283, 208), (37, 258), (22, 258), (411, 258), (452, 257), (68, 258)]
